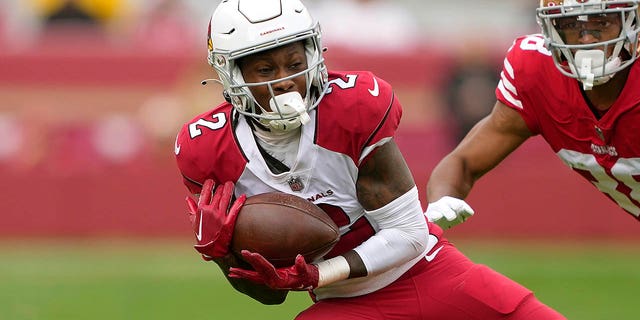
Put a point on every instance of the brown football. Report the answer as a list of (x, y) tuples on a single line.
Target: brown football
[(280, 226)]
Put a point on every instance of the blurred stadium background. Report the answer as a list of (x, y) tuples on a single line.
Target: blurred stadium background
[(93, 92)]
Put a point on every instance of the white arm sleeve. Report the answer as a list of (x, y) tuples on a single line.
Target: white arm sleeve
[(402, 237)]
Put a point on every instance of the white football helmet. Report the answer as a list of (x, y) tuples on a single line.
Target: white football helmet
[(242, 27), (590, 63)]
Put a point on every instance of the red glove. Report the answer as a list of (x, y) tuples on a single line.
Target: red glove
[(212, 219), (300, 276)]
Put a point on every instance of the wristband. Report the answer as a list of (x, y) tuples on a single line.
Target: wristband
[(332, 270)]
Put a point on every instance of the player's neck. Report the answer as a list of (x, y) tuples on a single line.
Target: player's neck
[(602, 97), (275, 137), (281, 145)]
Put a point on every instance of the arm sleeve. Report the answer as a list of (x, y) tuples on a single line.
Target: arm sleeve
[(402, 237), (521, 71)]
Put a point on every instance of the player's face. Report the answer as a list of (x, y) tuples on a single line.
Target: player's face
[(589, 29), (275, 64)]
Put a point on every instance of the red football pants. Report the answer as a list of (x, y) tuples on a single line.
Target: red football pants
[(450, 287)]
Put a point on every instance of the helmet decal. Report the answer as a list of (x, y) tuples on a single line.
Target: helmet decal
[(271, 31), (209, 41)]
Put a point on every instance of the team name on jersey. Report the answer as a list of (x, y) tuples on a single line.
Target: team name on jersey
[(320, 195), (610, 150)]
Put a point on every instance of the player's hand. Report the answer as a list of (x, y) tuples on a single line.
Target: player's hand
[(300, 276), (448, 212), (212, 219)]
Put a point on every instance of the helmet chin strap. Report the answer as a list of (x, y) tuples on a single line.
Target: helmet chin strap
[(592, 72), (290, 106)]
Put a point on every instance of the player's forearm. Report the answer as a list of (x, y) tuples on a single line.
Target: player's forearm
[(402, 236), (449, 178)]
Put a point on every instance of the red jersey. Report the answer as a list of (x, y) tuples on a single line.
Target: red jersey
[(359, 113), (605, 151)]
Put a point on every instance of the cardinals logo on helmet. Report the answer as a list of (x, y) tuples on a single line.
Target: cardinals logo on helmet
[(209, 41)]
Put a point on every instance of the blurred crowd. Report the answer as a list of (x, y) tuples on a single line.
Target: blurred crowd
[(358, 24), (169, 23), (86, 84)]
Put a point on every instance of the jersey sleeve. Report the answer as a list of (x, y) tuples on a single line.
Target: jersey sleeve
[(357, 118), (521, 71), (185, 160), (205, 148)]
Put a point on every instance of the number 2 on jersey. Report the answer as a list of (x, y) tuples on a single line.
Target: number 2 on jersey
[(219, 120)]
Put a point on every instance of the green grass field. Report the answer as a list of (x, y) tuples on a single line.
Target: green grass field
[(86, 279)]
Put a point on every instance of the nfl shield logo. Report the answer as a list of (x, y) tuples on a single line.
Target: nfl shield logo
[(295, 184)]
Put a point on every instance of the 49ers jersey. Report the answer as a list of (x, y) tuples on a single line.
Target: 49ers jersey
[(359, 113), (605, 151)]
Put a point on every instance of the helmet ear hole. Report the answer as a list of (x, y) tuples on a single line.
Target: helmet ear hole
[(226, 96)]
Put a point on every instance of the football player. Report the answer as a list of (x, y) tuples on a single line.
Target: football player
[(576, 84), (290, 125)]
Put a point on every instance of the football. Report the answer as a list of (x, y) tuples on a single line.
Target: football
[(280, 226)]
